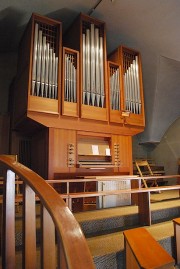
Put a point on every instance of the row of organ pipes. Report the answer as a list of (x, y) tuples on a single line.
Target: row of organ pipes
[(115, 88), (93, 67), (131, 83), (45, 67), (70, 88), (45, 73)]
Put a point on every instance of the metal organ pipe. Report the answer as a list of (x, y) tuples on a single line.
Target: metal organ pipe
[(44, 67), (97, 71), (84, 68)]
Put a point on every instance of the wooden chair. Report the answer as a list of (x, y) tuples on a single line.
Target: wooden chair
[(144, 170)]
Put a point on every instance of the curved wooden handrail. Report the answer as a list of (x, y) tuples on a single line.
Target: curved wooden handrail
[(75, 248)]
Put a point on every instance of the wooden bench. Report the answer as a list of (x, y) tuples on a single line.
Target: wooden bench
[(143, 251)]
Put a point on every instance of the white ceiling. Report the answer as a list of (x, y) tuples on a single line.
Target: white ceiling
[(152, 27)]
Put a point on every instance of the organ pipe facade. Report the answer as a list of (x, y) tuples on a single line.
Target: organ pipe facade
[(90, 87)]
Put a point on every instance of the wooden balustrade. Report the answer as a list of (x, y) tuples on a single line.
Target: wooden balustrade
[(144, 204), (70, 250)]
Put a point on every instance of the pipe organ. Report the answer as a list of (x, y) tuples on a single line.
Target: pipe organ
[(73, 95)]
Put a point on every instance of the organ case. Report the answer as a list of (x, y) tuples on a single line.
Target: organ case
[(87, 35), (132, 86), (39, 74)]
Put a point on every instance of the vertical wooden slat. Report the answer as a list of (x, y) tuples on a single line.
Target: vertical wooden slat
[(8, 230), (61, 256), (29, 229), (48, 247)]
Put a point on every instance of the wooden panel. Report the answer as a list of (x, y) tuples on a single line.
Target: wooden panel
[(41, 104), (131, 262), (39, 153), (58, 150), (70, 109), (95, 113), (20, 95), (125, 151), (134, 120)]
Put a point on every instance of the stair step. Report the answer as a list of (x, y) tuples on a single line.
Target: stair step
[(120, 218), (104, 229)]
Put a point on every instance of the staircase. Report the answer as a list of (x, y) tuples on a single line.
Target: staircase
[(104, 230)]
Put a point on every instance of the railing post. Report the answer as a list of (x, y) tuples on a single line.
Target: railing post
[(29, 228), (48, 245), (8, 224), (62, 264)]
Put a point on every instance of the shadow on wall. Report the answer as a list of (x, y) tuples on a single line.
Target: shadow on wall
[(165, 108), (166, 153)]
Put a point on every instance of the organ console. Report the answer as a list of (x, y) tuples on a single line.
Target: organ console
[(79, 110)]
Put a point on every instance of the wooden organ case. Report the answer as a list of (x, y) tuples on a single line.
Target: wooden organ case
[(73, 104)]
